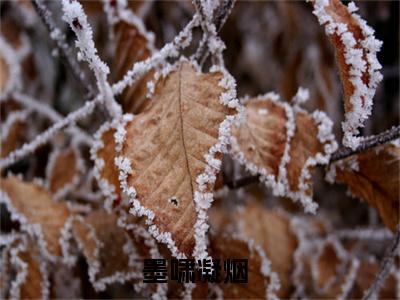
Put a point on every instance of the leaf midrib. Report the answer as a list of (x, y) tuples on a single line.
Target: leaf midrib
[(181, 126)]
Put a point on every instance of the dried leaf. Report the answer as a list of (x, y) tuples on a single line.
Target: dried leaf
[(261, 281), (5, 272), (374, 177), (103, 153), (63, 170), (132, 45), (272, 232), (171, 153), (356, 49), (328, 272), (109, 251), (37, 213), (26, 270), (13, 132), (4, 74), (283, 145), (365, 277), (36, 283)]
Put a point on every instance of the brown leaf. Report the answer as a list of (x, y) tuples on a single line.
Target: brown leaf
[(272, 232), (374, 177), (259, 283), (262, 137), (4, 73), (330, 272), (63, 170), (365, 277), (164, 153), (15, 40), (36, 283), (34, 208), (13, 132), (283, 145), (24, 270), (132, 45), (356, 48), (103, 244), (103, 154)]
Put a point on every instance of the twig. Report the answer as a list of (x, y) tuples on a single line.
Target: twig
[(65, 51), (223, 13), (386, 265), (368, 143), (51, 114), (44, 137), (220, 18)]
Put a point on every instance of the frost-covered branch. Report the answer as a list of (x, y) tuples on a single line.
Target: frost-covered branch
[(222, 13), (170, 50), (49, 133), (386, 266), (66, 53), (220, 16), (77, 19), (368, 143), (51, 114)]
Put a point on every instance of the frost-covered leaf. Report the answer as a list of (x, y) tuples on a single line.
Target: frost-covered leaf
[(63, 170), (24, 269), (170, 154), (103, 153), (366, 275), (374, 177), (133, 44), (4, 73), (262, 281), (36, 285), (33, 207), (328, 271), (12, 132), (272, 232), (356, 49), (109, 251), (283, 144)]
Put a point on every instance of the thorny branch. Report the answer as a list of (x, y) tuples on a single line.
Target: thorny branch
[(386, 265), (368, 143), (66, 53)]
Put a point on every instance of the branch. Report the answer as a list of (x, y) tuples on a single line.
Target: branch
[(66, 53), (51, 114), (44, 137), (223, 13), (386, 265), (220, 18), (368, 143)]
